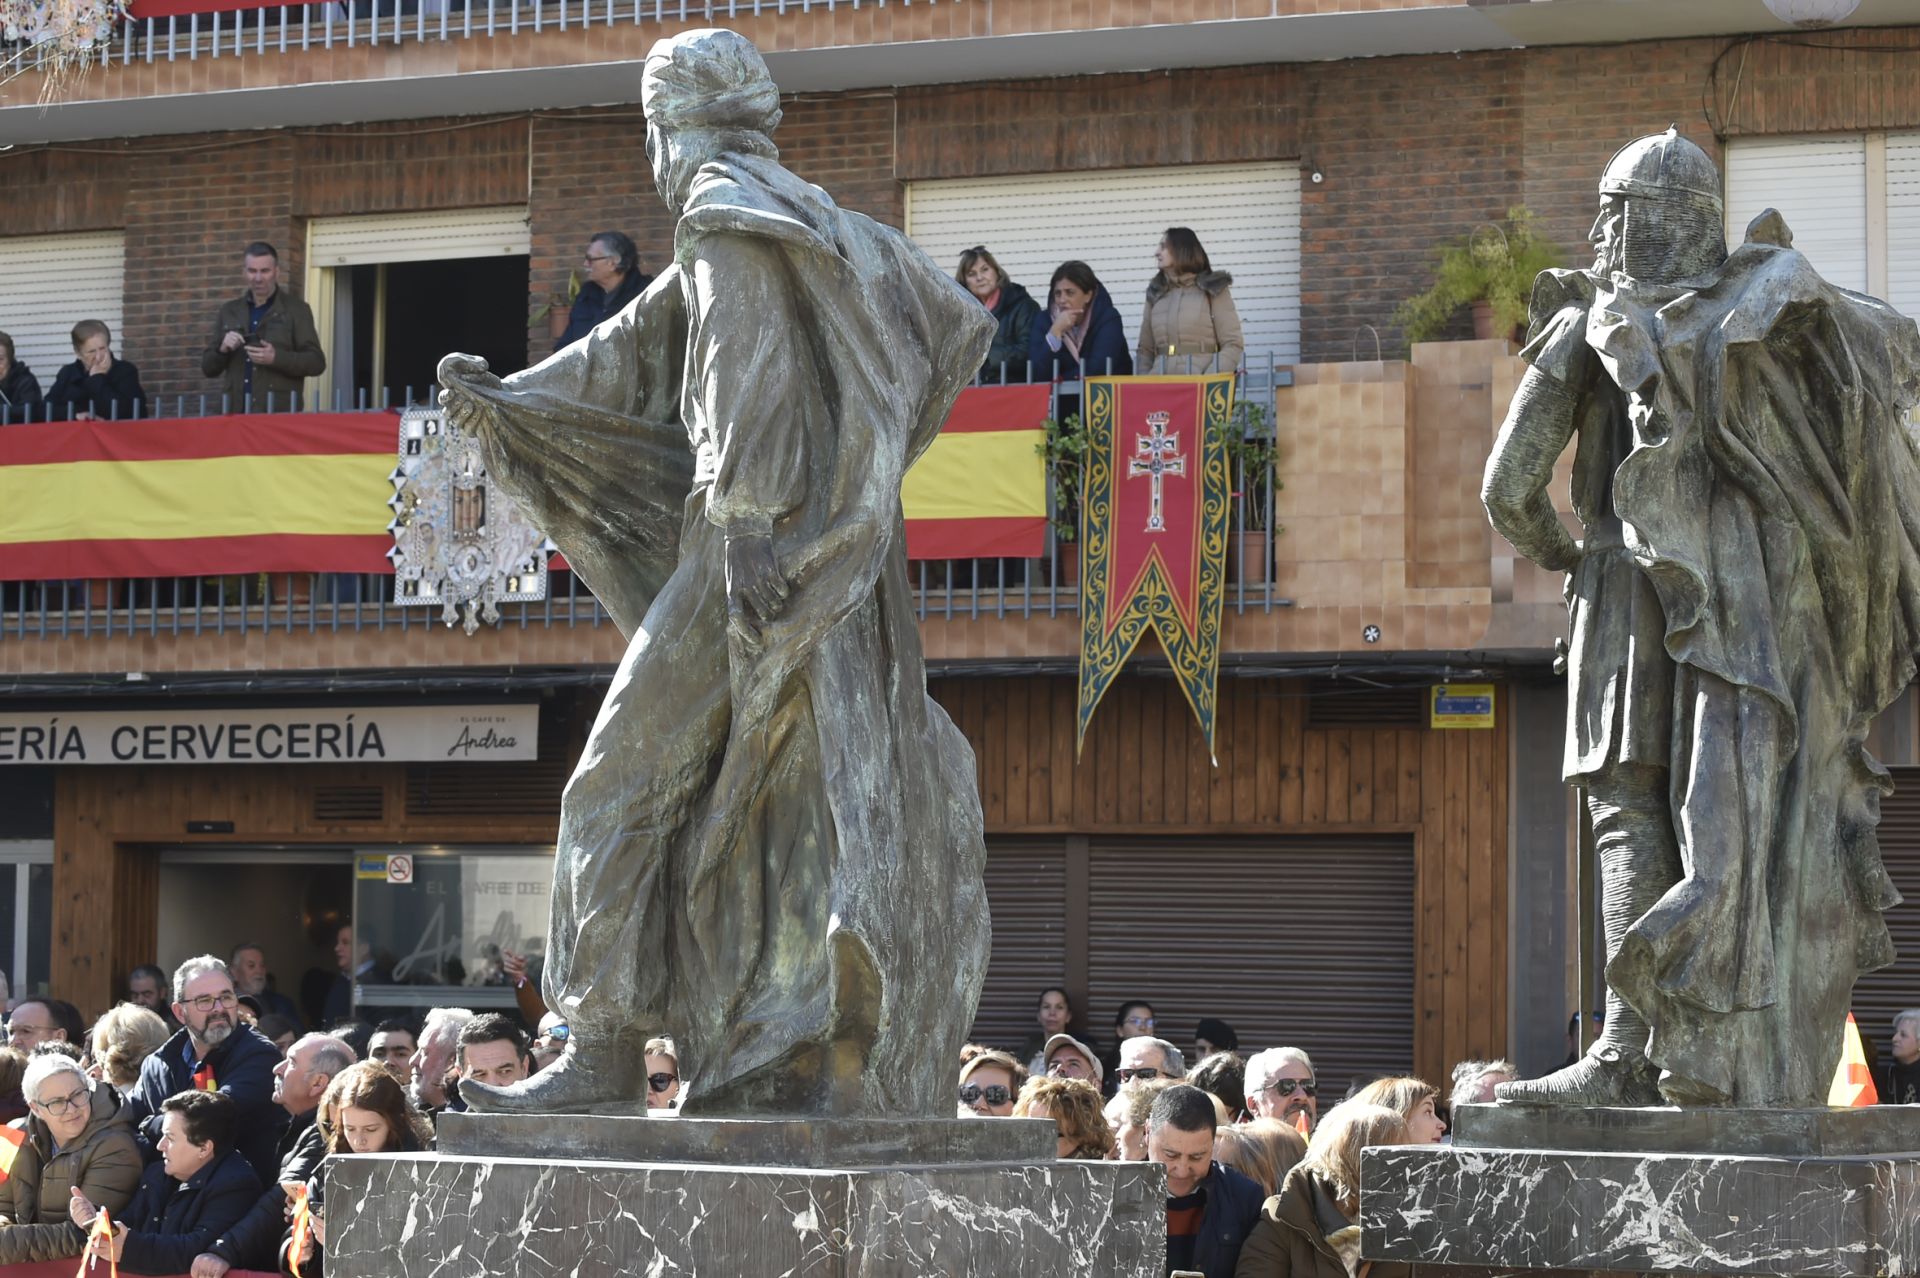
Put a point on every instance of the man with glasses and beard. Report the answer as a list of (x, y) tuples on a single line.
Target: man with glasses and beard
[(1280, 1084), (213, 1052)]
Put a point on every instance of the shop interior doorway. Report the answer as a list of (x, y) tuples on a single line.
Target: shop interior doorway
[(289, 902), (394, 320)]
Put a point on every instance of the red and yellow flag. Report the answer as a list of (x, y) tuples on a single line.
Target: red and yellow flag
[(11, 1139), (1153, 532), (270, 492), (980, 490), (203, 1079), (1853, 1081)]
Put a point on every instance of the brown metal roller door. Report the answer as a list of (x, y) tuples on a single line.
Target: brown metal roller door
[(1303, 942), (1027, 893), (1879, 995)]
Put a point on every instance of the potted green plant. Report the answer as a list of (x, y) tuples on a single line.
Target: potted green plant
[(1492, 270), (1251, 452), (1063, 449)]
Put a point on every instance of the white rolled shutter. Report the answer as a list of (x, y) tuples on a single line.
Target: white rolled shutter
[(1246, 215), (1820, 187), (49, 283), (435, 236), (1903, 222)]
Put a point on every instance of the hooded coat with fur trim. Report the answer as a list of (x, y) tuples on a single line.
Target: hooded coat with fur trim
[(1189, 320)]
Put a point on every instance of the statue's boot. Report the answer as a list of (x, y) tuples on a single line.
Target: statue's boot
[(579, 1082), (1606, 1075)]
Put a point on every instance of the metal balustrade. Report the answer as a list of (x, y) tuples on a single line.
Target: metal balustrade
[(220, 29), (1047, 586)]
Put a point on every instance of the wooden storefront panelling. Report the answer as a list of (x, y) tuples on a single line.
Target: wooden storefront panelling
[(1145, 770)]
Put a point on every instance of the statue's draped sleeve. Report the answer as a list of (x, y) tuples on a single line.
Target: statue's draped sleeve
[(590, 444)]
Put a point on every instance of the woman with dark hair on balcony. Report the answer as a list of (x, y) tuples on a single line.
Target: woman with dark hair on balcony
[(1190, 324), (1012, 307), (614, 278), (20, 389), (1083, 330)]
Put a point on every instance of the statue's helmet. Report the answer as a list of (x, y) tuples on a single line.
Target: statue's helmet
[(1663, 166)]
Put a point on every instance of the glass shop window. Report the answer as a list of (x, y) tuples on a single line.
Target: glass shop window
[(26, 915), (433, 927)]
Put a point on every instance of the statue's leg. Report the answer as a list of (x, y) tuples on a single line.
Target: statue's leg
[(645, 765), (1638, 861)]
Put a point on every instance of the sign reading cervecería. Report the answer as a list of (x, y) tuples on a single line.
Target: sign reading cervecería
[(349, 734)]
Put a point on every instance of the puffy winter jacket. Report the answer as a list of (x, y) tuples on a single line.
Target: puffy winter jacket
[(104, 1162), (1189, 321)]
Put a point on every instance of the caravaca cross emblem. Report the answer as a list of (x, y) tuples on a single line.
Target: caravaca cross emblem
[(1159, 456)]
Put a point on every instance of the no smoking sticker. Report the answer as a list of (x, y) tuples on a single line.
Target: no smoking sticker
[(399, 869)]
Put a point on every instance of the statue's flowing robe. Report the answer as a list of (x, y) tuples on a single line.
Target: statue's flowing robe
[(772, 850), (1770, 495)]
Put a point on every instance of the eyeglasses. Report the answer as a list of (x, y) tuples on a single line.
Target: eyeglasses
[(661, 1082), (64, 1104), (591, 259), (1139, 1022), (226, 1001), (558, 1033), (994, 1094), (1288, 1086), (1145, 1072)]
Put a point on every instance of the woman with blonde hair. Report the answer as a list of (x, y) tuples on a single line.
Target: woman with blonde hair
[(1073, 1104), (120, 1040), (1264, 1151), (1413, 1099), (1012, 308), (1309, 1229)]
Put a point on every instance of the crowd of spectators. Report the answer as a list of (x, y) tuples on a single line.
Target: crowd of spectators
[(206, 1141)]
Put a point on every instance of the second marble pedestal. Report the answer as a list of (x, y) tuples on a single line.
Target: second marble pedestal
[(590, 1196), (1829, 1192)]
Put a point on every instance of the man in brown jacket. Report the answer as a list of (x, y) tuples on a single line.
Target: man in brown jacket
[(264, 343), (76, 1137)]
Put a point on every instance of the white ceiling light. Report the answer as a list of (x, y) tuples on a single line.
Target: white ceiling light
[(1812, 13)]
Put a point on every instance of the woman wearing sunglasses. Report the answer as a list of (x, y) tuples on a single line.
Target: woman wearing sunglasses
[(988, 1084), (663, 1074)]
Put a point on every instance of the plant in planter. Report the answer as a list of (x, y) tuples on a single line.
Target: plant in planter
[(1492, 270), (1063, 450), (1251, 452)]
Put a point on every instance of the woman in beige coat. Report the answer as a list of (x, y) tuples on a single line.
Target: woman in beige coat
[(76, 1137), (1190, 324)]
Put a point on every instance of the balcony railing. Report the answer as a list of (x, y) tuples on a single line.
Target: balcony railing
[(165, 30), (970, 588)]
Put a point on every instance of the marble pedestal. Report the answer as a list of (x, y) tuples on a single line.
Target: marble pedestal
[(591, 1196), (1828, 1192)]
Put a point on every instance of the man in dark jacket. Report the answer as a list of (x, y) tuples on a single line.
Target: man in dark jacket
[(201, 1186), (20, 397), (1211, 1208), (214, 1052), (97, 386), (264, 343), (298, 1084)]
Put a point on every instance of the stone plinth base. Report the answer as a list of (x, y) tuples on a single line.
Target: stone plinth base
[(1722, 1192), (587, 1217)]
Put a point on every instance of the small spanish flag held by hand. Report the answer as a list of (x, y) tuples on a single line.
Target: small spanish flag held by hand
[(1853, 1081), (102, 1232), (1303, 1123), (11, 1139), (302, 1227), (203, 1078)]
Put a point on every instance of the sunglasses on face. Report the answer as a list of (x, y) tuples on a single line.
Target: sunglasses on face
[(1145, 1071), (995, 1094), (1288, 1086), (661, 1082)]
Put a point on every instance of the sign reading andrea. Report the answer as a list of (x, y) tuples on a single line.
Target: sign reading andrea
[(352, 734)]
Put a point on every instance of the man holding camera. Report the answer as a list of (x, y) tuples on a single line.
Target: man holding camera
[(264, 343)]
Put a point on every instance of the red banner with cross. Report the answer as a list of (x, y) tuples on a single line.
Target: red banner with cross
[(1153, 532)]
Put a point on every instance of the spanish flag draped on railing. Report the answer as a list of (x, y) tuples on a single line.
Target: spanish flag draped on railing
[(980, 490), (1153, 524), (184, 497)]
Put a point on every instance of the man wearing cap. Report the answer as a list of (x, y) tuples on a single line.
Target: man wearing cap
[(772, 848), (1742, 605), (1068, 1057)]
